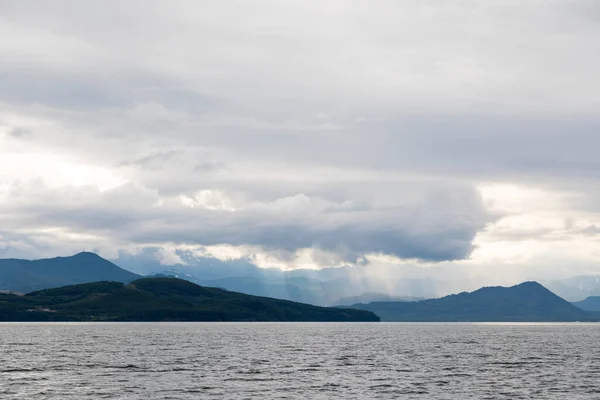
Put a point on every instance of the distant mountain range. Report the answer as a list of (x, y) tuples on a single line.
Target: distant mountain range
[(590, 304), (527, 302), (26, 276), (575, 289), (325, 287), (162, 299), (330, 287), (299, 289), (374, 297), (333, 289)]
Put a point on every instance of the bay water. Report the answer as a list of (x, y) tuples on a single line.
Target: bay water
[(299, 361)]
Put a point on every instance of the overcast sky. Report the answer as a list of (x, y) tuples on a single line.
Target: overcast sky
[(456, 134)]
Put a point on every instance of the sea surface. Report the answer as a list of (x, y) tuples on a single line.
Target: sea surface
[(299, 361)]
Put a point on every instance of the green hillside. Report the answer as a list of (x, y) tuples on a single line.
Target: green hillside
[(161, 299)]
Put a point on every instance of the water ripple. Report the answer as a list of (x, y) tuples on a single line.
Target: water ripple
[(299, 361)]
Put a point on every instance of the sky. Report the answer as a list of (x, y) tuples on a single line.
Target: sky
[(457, 137)]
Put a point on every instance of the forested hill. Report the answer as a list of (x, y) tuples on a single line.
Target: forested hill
[(161, 299)]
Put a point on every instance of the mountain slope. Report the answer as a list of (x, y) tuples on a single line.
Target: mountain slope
[(366, 298), (25, 275), (592, 303), (256, 286), (527, 302), (576, 288), (292, 285), (161, 299)]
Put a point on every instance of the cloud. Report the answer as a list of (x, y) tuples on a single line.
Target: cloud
[(316, 132), (434, 223), (19, 132)]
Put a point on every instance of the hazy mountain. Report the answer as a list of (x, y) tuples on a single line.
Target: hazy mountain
[(174, 273), (320, 287), (589, 304), (366, 298), (147, 263), (527, 302), (266, 288), (161, 299), (323, 286), (259, 286), (25, 275), (576, 288), (341, 291)]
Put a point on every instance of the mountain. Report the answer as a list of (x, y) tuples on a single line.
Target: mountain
[(575, 289), (366, 298), (254, 285), (323, 287), (25, 275), (267, 288), (174, 273), (161, 299), (527, 302), (318, 287), (592, 303)]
